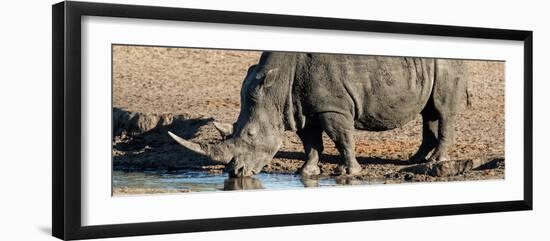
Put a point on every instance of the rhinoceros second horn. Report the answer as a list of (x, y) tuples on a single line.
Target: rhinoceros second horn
[(225, 129)]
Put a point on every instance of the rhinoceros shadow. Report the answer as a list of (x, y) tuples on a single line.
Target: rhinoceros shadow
[(140, 142), (336, 159)]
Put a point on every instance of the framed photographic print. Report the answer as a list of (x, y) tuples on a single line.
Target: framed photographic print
[(169, 120)]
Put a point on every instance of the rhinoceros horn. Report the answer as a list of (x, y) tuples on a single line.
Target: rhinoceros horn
[(225, 129), (218, 152), (187, 144)]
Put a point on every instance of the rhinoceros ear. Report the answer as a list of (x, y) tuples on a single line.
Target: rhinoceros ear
[(270, 77), (225, 129)]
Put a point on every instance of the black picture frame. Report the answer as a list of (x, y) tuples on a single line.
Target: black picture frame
[(66, 76)]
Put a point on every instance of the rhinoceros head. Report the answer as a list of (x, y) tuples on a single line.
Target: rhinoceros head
[(254, 139)]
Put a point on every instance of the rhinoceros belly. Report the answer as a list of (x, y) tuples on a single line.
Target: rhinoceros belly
[(388, 92)]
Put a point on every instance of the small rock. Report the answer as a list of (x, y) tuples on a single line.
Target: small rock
[(445, 168)]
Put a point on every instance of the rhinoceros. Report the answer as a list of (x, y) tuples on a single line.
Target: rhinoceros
[(312, 93)]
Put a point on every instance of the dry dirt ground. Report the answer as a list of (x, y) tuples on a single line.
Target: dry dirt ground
[(184, 90)]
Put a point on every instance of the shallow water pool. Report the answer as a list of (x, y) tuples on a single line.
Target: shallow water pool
[(199, 181)]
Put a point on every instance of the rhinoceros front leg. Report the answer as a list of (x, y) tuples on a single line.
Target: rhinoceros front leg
[(340, 129), (312, 139)]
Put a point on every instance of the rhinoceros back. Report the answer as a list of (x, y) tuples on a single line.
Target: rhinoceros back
[(380, 93), (387, 92)]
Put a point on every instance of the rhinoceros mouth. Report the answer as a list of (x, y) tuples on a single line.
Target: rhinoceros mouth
[(240, 169)]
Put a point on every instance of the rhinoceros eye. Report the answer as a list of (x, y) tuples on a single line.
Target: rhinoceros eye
[(252, 131), (260, 75)]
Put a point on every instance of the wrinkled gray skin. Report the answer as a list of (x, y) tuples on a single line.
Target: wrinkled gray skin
[(336, 94)]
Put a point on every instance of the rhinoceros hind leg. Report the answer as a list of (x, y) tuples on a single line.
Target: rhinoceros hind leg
[(340, 129), (446, 137), (429, 134), (312, 139), (449, 88)]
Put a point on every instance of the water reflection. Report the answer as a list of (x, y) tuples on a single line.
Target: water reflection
[(199, 181), (348, 181), (242, 183), (309, 182)]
